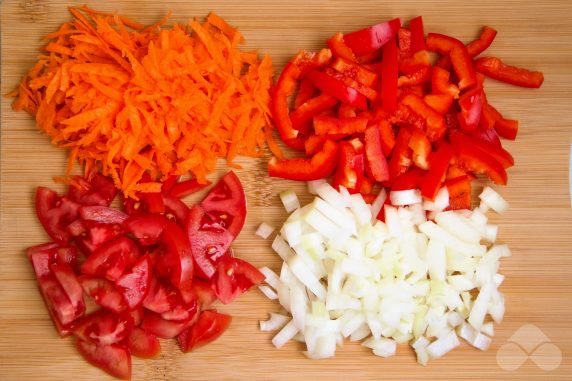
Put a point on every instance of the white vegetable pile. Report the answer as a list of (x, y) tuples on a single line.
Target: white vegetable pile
[(408, 280)]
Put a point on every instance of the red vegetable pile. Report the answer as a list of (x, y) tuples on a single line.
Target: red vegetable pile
[(374, 110), (154, 268)]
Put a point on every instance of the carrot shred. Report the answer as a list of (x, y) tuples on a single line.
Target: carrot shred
[(134, 101)]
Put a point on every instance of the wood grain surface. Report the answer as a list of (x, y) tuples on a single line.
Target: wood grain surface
[(538, 226)]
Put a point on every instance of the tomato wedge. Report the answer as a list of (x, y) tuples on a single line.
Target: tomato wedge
[(103, 327), (143, 344), (165, 329), (177, 258), (113, 359), (210, 326), (102, 214), (55, 213), (209, 241), (235, 277), (146, 228), (111, 259), (226, 203), (135, 283), (104, 293), (70, 284)]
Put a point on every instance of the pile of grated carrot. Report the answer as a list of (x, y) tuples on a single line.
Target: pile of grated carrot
[(134, 101)]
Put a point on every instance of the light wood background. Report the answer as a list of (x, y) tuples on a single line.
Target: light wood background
[(538, 226)]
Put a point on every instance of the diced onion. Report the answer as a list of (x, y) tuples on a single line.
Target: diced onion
[(285, 335), (272, 278), (268, 292), (264, 230), (493, 200), (440, 203), (274, 323), (405, 197), (314, 184), (290, 200)]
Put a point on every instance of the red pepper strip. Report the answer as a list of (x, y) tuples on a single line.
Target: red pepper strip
[(279, 102), (417, 34), (310, 61), (187, 187), (435, 123), (474, 48), (489, 136), (419, 77), (463, 66), (387, 137), (389, 73), (494, 68), (415, 63), (346, 111), (319, 166), (481, 44), (339, 48), (471, 104), (459, 190), (405, 117), (421, 148), (438, 165), (439, 102), (350, 169), (366, 91), (412, 179), (302, 116), (454, 171), (366, 188), (355, 71), (370, 39), (507, 128), (376, 167), (440, 83), (314, 143), (306, 91), (328, 125), (499, 154), (337, 89), (476, 160), (404, 43), (401, 157), (460, 57)]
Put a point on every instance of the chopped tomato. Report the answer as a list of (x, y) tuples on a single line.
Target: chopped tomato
[(235, 277), (136, 282), (104, 293), (166, 329), (113, 359), (111, 259), (143, 344), (210, 326), (146, 228), (103, 328), (55, 213)]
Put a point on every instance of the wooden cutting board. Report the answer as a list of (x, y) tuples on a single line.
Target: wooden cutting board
[(538, 226)]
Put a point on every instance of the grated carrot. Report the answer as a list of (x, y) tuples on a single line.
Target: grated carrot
[(133, 101)]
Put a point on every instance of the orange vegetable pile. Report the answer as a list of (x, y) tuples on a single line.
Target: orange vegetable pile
[(133, 101)]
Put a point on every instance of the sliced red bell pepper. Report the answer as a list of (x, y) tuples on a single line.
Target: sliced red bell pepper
[(187, 187), (370, 39), (319, 166), (477, 160), (351, 166), (435, 123), (481, 44), (421, 149), (419, 77), (337, 89), (494, 68), (487, 135), (376, 167), (302, 116), (412, 179), (306, 91), (389, 76), (440, 83), (314, 143), (417, 34), (438, 164), (439, 102), (471, 104), (503, 157), (279, 102), (355, 71), (416, 62), (366, 187), (459, 190), (339, 48), (401, 156), (440, 43), (331, 125), (351, 83), (346, 111), (387, 137), (404, 43), (507, 128), (463, 66)]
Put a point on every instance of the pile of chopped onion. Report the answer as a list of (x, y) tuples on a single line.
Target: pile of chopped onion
[(406, 280)]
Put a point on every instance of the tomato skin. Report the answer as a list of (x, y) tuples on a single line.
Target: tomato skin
[(102, 214), (143, 344), (165, 329), (235, 277), (113, 359), (226, 203), (209, 327), (179, 255), (111, 259), (70, 284), (146, 228)]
